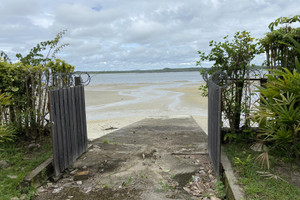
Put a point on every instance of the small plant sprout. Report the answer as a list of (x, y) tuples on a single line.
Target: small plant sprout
[(106, 141), (165, 186), (128, 182), (238, 161), (143, 176), (220, 189)]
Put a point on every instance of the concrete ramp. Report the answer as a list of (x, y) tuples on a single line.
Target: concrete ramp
[(160, 132), (150, 159)]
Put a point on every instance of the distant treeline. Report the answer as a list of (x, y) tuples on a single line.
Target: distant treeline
[(190, 69)]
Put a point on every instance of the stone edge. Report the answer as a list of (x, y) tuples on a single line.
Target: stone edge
[(41, 173), (233, 190)]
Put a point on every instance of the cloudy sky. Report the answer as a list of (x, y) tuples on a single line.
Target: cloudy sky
[(134, 34)]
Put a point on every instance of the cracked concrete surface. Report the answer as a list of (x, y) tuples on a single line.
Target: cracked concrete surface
[(150, 159)]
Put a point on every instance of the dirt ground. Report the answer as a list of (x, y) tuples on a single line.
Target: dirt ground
[(156, 158)]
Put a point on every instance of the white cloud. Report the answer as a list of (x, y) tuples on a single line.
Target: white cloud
[(44, 20), (134, 34)]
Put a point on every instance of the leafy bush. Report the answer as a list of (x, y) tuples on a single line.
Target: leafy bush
[(27, 83), (278, 54), (257, 184), (233, 57), (6, 133), (278, 114)]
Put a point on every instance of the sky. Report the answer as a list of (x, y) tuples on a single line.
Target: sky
[(105, 35)]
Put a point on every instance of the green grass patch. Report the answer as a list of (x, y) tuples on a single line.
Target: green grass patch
[(220, 190), (22, 161), (255, 185), (164, 186)]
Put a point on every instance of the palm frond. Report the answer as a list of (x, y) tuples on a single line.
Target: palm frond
[(263, 160)]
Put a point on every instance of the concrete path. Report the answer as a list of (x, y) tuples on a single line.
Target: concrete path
[(150, 159)]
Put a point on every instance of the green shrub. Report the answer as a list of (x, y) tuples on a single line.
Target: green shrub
[(233, 57), (278, 54), (278, 113), (27, 83), (6, 133)]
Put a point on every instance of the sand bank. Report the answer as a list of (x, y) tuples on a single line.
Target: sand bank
[(115, 106)]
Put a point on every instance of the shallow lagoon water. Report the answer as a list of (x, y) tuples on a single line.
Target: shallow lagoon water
[(128, 78)]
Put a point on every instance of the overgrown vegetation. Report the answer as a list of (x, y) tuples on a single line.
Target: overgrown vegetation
[(279, 53), (233, 57), (258, 184), (276, 113), (21, 161), (220, 190), (24, 87), (24, 114)]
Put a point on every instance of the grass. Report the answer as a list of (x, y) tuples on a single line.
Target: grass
[(256, 186), (164, 186), (21, 162), (220, 190), (106, 141)]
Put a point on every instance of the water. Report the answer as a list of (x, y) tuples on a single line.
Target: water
[(133, 78)]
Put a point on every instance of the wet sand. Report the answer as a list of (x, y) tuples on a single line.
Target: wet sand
[(113, 106)]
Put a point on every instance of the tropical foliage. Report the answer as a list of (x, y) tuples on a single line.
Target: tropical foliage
[(278, 113), (26, 83), (6, 132), (233, 57), (277, 43)]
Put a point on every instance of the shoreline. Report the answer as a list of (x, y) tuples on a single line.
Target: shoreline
[(112, 106), (190, 69)]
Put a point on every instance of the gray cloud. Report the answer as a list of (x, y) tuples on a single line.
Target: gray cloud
[(134, 34), (18, 8)]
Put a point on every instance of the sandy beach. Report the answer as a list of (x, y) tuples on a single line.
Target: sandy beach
[(113, 106)]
